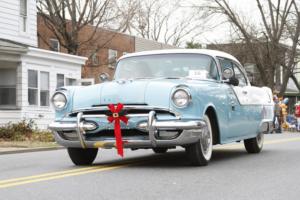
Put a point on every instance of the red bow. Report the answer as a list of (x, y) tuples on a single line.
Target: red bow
[(117, 117)]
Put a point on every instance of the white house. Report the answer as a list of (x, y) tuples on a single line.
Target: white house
[(28, 75)]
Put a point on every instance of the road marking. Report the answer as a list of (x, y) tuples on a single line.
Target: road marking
[(93, 169), (11, 184), (62, 174), (237, 146), (48, 174)]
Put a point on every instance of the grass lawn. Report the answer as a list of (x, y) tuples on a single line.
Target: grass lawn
[(26, 144)]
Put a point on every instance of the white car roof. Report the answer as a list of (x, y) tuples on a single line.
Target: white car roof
[(213, 53)]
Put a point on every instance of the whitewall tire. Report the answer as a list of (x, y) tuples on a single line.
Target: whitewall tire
[(200, 152)]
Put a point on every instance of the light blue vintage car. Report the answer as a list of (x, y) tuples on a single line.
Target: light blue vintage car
[(189, 98)]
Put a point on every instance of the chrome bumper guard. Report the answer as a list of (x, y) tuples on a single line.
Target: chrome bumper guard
[(152, 126)]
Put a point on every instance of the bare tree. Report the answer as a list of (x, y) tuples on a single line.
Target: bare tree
[(67, 19), (166, 21), (264, 41)]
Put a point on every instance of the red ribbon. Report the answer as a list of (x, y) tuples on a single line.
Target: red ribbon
[(117, 118)]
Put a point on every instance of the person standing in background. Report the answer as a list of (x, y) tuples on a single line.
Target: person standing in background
[(297, 115), (277, 113), (284, 113)]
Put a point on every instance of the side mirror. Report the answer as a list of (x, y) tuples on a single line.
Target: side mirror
[(234, 81), (229, 76), (104, 77), (227, 73)]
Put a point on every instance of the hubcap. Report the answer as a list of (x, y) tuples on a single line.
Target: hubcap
[(206, 140), (260, 140)]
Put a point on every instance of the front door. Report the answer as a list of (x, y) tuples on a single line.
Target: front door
[(238, 115)]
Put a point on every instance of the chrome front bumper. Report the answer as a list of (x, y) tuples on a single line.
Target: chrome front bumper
[(191, 133)]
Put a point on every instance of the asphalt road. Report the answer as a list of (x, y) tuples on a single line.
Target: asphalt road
[(232, 174)]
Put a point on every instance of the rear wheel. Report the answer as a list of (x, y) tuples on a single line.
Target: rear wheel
[(200, 152), (81, 156), (160, 149), (254, 145)]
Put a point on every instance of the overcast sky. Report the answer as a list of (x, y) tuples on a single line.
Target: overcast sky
[(221, 33)]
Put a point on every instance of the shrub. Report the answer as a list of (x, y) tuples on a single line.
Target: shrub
[(24, 131)]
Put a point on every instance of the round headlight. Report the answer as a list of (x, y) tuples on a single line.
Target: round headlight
[(59, 100), (181, 97)]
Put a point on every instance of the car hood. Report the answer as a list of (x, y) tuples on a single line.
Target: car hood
[(151, 92)]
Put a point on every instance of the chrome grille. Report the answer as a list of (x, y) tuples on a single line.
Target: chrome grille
[(127, 110)]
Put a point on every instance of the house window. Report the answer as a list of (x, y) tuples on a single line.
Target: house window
[(95, 59), (23, 15), (71, 81), (7, 87), (54, 45), (112, 58), (32, 87), (60, 80), (87, 81), (44, 90)]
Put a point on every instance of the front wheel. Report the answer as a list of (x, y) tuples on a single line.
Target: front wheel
[(81, 156), (200, 152), (254, 145)]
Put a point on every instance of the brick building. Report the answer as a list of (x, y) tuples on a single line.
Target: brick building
[(103, 51)]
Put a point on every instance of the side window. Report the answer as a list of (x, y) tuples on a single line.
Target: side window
[(213, 71), (225, 63), (239, 75)]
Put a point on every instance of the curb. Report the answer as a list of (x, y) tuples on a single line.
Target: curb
[(30, 150)]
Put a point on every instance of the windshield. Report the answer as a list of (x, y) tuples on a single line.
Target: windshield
[(196, 66)]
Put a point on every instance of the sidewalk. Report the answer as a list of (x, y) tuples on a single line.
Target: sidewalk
[(23, 147)]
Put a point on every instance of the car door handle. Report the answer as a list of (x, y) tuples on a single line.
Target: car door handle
[(244, 92), (232, 105)]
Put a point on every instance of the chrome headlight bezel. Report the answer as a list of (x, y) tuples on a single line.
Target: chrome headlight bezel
[(65, 97), (188, 97)]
